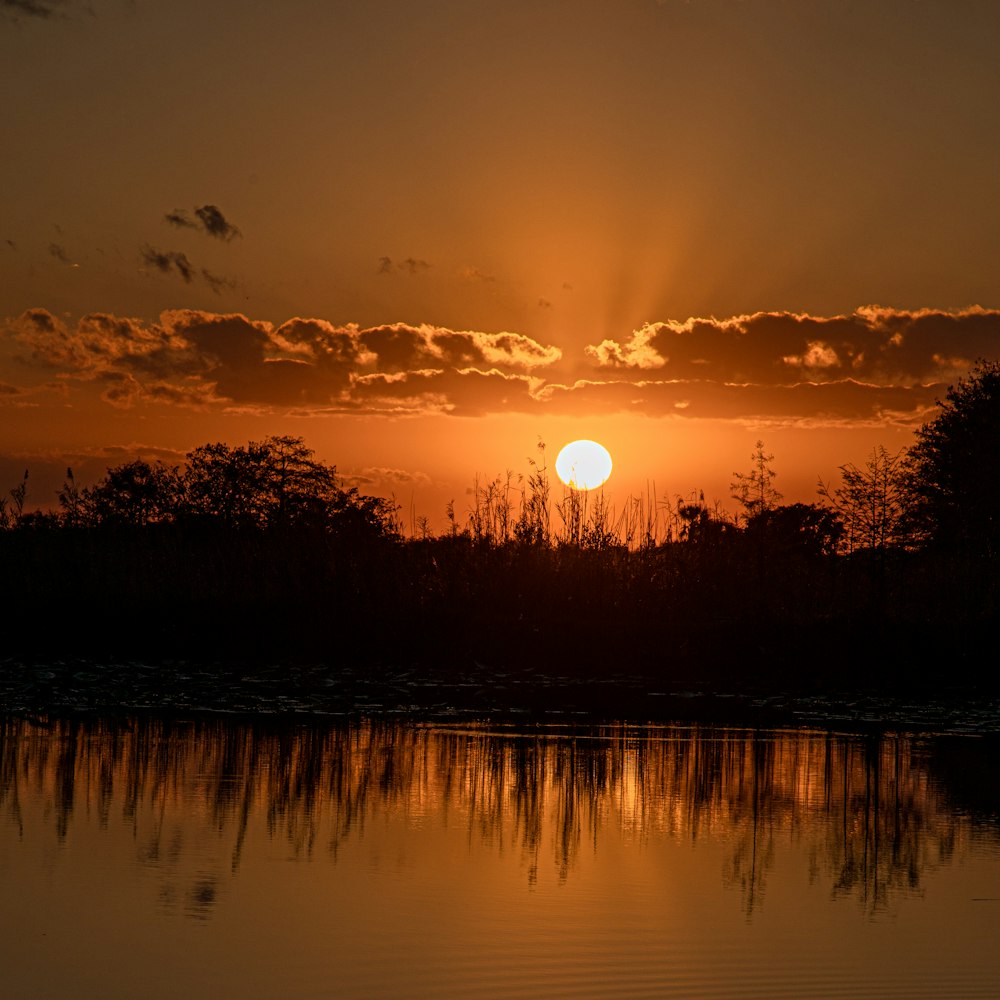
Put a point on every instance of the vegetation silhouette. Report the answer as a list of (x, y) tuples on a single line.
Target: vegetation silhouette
[(954, 473), (260, 553)]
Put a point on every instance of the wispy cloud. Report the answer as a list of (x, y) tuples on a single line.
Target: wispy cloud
[(174, 262), (846, 401), (178, 217), (412, 265), (48, 10), (170, 261), (58, 251), (386, 478), (216, 283), (207, 219), (215, 223), (475, 274), (41, 9)]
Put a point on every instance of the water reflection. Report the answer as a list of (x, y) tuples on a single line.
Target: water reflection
[(873, 815)]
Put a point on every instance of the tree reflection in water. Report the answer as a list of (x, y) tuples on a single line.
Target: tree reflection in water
[(874, 812)]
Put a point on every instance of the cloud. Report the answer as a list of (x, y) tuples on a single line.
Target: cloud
[(45, 10), (873, 344), (215, 223), (468, 392), (174, 262), (816, 357), (381, 476), (875, 366), (208, 219), (168, 262), (197, 358), (179, 218), (400, 347), (129, 359), (217, 283), (58, 251), (411, 266), (637, 352), (848, 401), (474, 274), (41, 9)]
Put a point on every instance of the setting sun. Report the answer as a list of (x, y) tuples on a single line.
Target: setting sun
[(583, 465)]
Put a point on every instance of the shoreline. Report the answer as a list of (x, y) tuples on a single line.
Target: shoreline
[(526, 696)]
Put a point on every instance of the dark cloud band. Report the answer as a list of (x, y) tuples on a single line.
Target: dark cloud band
[(875, 366)]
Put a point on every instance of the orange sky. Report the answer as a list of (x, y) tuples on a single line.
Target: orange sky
[(426, 235)]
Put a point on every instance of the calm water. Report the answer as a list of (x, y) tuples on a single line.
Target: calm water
[(213, 858)]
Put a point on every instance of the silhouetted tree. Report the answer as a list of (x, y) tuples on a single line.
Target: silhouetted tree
[(297, 488), (806, 529), (278, 483), (135, 493), (228, 484), (267, 484), (700, 525), (954, 476), (871, 502), (754, 489)]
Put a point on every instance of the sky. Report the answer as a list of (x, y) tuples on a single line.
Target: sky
[(429, 236)]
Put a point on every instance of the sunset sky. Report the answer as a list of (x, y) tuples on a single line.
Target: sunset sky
[(426, 235)]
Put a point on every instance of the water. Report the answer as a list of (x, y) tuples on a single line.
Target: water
[(216, 858)]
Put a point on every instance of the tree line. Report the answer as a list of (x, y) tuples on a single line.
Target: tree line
[(261, 550), (275, 483), (940, 491)]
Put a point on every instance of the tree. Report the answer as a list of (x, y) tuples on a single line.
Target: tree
[(806, 529), (262, 485), (754, 489), (277, 483), (953, 471), (871, 502), (135, 493), (228, 484), (700, 525)]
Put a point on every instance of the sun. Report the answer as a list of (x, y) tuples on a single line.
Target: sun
[(583, 465)]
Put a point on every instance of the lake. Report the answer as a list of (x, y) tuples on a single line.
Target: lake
[(212, 856)]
